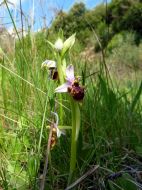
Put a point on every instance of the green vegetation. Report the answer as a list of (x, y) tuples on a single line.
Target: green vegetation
[(106, 20), (108, 56)]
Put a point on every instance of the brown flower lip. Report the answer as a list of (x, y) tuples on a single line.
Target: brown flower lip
[(53, 138), (76, 91), (53, 74)]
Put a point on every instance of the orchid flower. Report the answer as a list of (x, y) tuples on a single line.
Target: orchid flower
[(58, 131), (51, 65), (72, 85), (55, 126)]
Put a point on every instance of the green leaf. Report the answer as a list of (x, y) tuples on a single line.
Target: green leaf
[(125, 182), (61, 127), (51, 45), (64, 127)]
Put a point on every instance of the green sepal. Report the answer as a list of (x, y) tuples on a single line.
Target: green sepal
[(68, 44), (51, 45)]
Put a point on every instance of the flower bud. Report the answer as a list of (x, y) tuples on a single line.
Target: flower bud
[(59, 44)]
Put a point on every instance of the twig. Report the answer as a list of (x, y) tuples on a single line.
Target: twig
[(83, 177), (46, 159), (92, 74)]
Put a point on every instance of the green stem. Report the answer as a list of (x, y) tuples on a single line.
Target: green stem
[(60, 70), (61, 80), (75, 132), (43, 120)]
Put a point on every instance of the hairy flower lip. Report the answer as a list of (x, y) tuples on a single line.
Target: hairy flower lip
[(77, 92), (55, 75)]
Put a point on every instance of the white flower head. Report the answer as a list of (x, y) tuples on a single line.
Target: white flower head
[(59, 44)]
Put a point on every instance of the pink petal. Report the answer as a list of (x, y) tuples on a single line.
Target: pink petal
[(70, 73), (62, 88)]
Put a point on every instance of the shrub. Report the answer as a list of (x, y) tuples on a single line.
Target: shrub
[(119, 39), (123, 50), (133, 18)]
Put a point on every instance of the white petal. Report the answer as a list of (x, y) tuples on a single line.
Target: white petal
[(58, 133), (70, 73), (62, 88), (49, 64)]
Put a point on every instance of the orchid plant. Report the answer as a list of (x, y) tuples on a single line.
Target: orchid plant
[(69, 84)]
